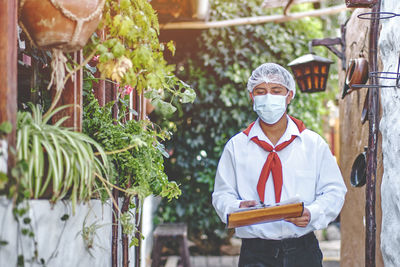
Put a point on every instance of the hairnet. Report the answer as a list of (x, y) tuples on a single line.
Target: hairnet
[(271, 73)]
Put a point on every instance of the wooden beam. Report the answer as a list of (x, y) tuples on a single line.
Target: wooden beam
[(8, 68), (252, 20), (280, 3)]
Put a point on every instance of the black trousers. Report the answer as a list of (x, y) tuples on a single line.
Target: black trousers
[(292, 252)]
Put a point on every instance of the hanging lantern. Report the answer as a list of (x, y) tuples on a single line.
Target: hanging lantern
[(181, 10), (311, 72)]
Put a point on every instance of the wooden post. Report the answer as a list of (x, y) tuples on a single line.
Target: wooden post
[(138, 222), (8, 68), (373, 118), (114, 230), (125, 238), (115, 221), (72, 94), (99, 86)]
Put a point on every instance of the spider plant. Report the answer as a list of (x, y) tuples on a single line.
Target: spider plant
[(58, 159)]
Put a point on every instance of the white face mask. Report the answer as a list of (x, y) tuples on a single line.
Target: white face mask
[(270, 108)]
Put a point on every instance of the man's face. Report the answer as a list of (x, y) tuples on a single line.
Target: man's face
[(273, 89)]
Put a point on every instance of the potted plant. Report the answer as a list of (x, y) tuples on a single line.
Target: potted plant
[(55, 156)]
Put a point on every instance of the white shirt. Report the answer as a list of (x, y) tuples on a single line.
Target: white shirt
[(309, 171)]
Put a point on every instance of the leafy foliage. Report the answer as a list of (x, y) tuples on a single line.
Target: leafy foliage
[(131, 54), (132, 147), (218, 64)]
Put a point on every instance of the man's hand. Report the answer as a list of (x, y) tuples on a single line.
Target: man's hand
[(301, 221), (247, 203)]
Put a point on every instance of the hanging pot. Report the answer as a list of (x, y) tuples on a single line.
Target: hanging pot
[(360, 3), (356, 74), (60, 24)]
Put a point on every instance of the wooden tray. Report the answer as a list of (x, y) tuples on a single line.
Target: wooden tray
[(266, 214)]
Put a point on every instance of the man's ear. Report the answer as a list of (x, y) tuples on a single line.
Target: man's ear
[(289, 98), (251, 96)]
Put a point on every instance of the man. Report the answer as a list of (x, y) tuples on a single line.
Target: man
[(276, 158)]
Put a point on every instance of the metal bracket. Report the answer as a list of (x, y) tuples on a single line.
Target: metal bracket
[(330, 44)]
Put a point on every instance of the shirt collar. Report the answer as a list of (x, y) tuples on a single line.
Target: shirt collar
[(291, 129)]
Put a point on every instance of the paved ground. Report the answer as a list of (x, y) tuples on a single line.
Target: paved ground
[(330, 249), (232, 261)]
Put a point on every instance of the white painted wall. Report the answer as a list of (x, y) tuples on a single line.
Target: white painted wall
[(389, 48), (149, 208), (3, 155), (61, 243)]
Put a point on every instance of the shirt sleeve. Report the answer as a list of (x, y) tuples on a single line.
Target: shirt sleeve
[(330, 190), (225, 198)]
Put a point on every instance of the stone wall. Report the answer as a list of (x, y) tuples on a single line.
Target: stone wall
[(389, 49)]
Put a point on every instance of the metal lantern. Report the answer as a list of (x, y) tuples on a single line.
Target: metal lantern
[(311, 72), (181, 10)]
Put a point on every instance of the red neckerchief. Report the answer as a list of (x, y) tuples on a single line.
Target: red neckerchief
[(273, 163)]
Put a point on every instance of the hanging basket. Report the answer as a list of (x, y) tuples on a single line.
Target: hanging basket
[(60, 24)]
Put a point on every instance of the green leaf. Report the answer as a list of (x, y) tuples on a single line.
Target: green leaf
[(25, 231), (20, 261), (151, 94), (188, 96), (161, 148), (3, 180), (118, 50), (65, 217), (124, 4), (171, 47), (134, 242), (163, 107), (5, 127)]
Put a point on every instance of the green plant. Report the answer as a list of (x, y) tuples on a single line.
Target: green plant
[(133, 148), (136, 154), (56, 157), (130, 53), (88, 233), (218, 63)]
